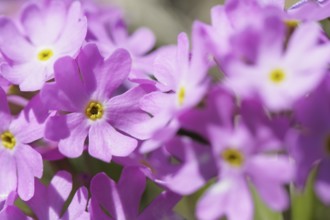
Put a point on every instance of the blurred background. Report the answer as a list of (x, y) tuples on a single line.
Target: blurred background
[(167, 18)]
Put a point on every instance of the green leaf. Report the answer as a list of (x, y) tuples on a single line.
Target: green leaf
[(303, 201), (326, 26), (305, 204), (261, 210), (187, 206)]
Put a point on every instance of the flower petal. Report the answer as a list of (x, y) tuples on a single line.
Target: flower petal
[(43, 26), (74, 31), (105, 141), (125, 113), (131, 187), (213, 204), (77, 207), (30, 76), (114, 71), (273, 194), (68, 79), (13, 44), (141, 41), (25, 176), (98, 141), (322, 182), (31, 159), (8, 176), (73, 145), (4, 111), (277, 169), (161, 207), (104, 191)]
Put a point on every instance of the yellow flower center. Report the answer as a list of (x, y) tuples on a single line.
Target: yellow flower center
[(45, 54), (181, 95), (233, 157), (94, 110), (291, 23), (277, 76), (8, 140)]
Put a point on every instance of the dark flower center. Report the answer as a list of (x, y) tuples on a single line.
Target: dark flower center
[(94, 110), (8, 140), (277, 76), (233, 157), (291, 23), (181, 95), (45, 54)]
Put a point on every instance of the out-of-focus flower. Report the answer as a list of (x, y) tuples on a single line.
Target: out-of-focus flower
[(241, 160), (310, 10), (184, 165), (183, 84), (109, 30), (122, 200), (310, 145), (49, 31), (280, 76)]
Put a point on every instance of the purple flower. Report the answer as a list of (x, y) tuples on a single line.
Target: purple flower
[(4, 84), (217, 107), (49, 32), (19, 162), (122, 200), (310, 145), (240, 159), (316, 10), (231, 18), (194, 165), (10, 211), (270, 129), (278, 3), (183, 84), (110, 32), (86, 92), (280, 77), (49, 201)]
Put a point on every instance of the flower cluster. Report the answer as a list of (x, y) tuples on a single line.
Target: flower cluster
[(242, 108)]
